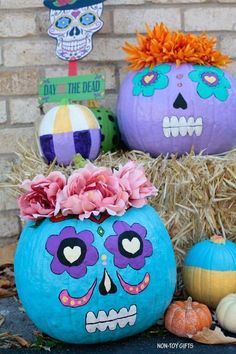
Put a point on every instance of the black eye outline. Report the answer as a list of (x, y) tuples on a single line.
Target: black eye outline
[(71, 243), (129, 235), (84, 15), (61, 18)]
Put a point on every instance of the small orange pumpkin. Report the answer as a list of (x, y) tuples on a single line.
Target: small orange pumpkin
[(186, 317)]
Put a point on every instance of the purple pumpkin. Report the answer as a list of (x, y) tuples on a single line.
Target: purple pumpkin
[(170, 109)]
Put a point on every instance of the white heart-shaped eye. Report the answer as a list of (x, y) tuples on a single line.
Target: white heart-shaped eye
[(131, 246), (72, 254)]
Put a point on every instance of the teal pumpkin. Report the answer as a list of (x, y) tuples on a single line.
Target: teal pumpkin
[(96, 280), (109, 128), (209, 271)]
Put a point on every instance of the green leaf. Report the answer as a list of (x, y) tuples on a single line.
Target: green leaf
[(79, 161), (37, 223)]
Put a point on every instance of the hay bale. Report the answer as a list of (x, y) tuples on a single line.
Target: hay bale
[(197, 193)]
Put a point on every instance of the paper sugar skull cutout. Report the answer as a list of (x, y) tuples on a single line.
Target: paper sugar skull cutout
[(73, 29), (94, 278), (180, 100)]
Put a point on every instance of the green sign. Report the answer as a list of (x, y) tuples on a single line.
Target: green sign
[(72, 88)]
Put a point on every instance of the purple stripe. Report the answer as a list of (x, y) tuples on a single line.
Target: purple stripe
[(64, 147), (82, 141), (46, 143), (95, 143)]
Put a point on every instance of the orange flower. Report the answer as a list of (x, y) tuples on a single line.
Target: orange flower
[(163, 46)]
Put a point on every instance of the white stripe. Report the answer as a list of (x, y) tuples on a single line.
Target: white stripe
[(78, 120), (47, 123)]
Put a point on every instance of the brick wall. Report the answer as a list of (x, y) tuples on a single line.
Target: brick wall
[(26, 53)]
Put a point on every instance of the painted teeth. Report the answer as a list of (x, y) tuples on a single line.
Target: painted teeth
[(173, 126), (73, 45), (102, 322)]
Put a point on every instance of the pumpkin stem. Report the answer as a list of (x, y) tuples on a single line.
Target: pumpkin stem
[(189, 302), (217, 239), (93, 104)]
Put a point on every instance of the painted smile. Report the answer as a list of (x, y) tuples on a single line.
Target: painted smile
[(73, 46), (174, 126), (135, 289), (70, 301), (102, 321)]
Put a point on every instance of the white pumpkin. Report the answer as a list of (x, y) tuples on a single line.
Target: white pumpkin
[(226, 313)]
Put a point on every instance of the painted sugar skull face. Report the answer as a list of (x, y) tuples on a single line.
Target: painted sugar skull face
[(74, 253), (73, 30), (171, 109), (98, 276)]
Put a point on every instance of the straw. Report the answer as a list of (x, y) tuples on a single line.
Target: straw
[(197, 193)]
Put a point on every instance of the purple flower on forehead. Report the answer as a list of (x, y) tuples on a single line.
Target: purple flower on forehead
[(129, 245), (72, 252)]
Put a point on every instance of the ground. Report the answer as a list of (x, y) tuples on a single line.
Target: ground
[(156, 340)]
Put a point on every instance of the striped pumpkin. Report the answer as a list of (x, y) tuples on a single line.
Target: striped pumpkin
[(209, 271), (68, 130)]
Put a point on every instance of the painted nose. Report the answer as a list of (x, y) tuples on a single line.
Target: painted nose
[(75, 31), (180, 102), (107, 286)]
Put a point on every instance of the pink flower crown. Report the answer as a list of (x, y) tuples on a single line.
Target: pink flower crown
[(89, 191)]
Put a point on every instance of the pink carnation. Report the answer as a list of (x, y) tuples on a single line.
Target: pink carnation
[(134, 182), (90, 190), (93, 190), (40, 198)]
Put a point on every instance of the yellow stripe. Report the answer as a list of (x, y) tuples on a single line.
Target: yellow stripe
[(89, 117), (208, 286), (62, 123)]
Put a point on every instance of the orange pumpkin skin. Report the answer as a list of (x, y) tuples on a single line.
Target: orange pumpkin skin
[(185, 318)]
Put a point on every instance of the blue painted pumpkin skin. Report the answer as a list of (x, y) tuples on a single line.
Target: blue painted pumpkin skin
[(209, 271), (211, 255), (120, 286)]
